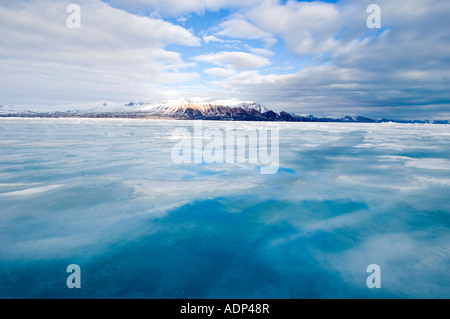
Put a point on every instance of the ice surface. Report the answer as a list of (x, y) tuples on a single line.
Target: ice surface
[(105, 194)]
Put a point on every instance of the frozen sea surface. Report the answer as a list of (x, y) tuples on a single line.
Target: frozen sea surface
[(106, 195)]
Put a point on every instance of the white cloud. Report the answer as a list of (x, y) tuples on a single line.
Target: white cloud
[(236, 60), (309, 88), (219, 72), (261, 51), (114, 53), (241, 29), (211, 38), (307, 27)]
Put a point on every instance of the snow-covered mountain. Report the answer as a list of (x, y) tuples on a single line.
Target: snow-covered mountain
[(180, 109), (184, 109), (204, 109)]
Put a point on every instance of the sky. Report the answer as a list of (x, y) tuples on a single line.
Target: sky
[(304, 57)]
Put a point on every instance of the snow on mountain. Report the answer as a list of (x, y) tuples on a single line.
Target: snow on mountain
[(204, 108), (184, 109), (181, 108)]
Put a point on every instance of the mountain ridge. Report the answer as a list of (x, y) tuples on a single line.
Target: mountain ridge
[(187, 109)]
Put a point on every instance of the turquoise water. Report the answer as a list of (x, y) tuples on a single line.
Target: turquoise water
[(106, 195)]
